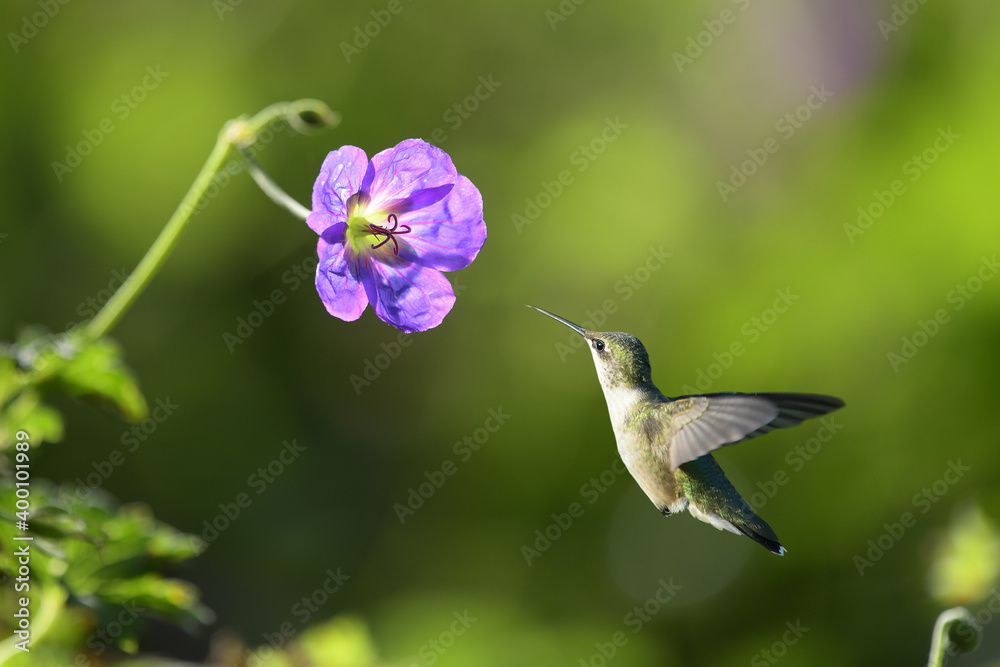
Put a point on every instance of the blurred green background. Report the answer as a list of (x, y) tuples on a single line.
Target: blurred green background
[(687, 98)]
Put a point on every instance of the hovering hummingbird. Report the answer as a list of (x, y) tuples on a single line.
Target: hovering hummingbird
[(666, 443)]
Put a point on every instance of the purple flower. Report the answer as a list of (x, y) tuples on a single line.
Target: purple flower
[(388, 228)]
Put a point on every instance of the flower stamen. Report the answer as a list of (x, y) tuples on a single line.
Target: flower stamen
[(389, 234)]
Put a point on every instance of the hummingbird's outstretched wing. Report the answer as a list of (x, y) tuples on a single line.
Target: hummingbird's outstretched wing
[(700, 424)]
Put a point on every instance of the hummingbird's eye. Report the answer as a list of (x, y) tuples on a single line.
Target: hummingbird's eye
[(599, 345)]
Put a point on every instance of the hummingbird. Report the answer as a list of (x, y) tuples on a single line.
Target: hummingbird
[(666, 443)]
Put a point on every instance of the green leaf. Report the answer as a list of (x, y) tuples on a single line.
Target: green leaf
[(25, 367), (106, 557), (56, 524), (97, 371), (171, 598), (27, 413)]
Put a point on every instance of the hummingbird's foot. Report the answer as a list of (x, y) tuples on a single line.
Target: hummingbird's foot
[(665, 511)]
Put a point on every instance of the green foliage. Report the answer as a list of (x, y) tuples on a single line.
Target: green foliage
[(69, 363), (104, 557), (21, 408), (87, 552), (919, 266), (96, 371)]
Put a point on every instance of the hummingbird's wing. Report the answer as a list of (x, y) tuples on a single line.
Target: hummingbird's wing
[(700, 424)]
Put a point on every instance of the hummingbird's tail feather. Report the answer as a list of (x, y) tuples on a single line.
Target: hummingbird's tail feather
[(713, 499), (736, 516), (757, 530)]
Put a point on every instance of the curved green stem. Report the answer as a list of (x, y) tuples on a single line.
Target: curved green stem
[(157, 253), (941, 641), (302, 115), (272, 189)]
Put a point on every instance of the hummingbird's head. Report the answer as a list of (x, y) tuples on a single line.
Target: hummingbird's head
[(620, 358)]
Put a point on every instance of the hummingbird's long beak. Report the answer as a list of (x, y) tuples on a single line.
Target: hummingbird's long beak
[(575, 327)]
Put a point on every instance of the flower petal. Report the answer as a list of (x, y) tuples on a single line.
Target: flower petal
[(366, 182), (449, 234), (407, 168), (410, 298), (340, 177), (419, 199), (337, 281)]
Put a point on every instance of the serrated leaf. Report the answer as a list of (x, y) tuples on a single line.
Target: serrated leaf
[(55, 523), (174, 599), (105, 557), (27, 413), (21, 407), (173, 546), (96, 370)]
